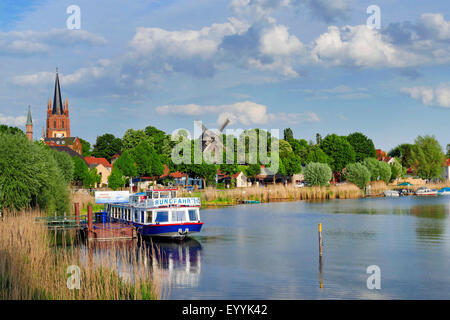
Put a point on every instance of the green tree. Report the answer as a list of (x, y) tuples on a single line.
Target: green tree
[(253, 170), (427, 157), (93, 179), (288, 134), (358, 174), (132, 138), (385, 171), (106, 146), (404, 153), (316, 154), (363, 146), (125, 163), (339, 150), (85, 148), (10, 130), (116, 179), (159, 140), (80, 171), (317, 174), (396, 169), (148, 162), (448, 151), (30, 176), (65, 164), (374, 168)]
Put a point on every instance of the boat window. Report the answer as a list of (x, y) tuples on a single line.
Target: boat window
[(136, 216), (155, 195), (179, 215), (149, 217), (142, 217), (174, 194), (193, 215), (162, 216)]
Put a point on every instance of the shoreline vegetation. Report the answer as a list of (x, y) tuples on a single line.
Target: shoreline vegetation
[(35, 265), (211, 197)]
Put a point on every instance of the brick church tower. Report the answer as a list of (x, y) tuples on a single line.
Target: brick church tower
[(58, 123), (29, 125)]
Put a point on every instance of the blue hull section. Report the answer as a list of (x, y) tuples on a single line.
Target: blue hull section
[(171, 230)]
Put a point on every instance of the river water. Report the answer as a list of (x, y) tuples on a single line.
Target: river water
[(271, 251)]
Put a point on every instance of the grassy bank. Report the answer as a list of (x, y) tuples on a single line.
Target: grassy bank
[(32, 267)]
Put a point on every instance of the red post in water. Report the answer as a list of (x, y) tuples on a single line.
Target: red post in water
[(77, 212), (90, 222)]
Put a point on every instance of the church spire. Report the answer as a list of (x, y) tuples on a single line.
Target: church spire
[(29, 120), (57, 103)]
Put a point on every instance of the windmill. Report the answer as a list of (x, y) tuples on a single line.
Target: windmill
[(211, 140)]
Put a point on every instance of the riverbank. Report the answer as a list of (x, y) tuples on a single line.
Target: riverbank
[(35, 266)]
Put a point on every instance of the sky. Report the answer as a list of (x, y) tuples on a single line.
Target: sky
[(315, 66)]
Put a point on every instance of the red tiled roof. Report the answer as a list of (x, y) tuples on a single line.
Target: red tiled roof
[(177, 174), (448, 162), (94, 160)]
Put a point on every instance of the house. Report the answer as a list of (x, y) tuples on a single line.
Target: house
[(103, 167), (446, 173), (268, 177), (240, 178)]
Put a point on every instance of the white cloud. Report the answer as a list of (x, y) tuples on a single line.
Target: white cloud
[(246, 113), (435, 25), (37, 42), (429, 96), (18, 121)]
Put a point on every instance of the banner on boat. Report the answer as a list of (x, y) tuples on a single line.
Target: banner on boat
[(112, 196), (177, 201)]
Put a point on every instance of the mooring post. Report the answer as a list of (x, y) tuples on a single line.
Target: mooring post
[(77, 213), (320, 239), (90, 222)]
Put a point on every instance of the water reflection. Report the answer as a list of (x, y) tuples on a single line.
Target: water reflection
[(181, 261)]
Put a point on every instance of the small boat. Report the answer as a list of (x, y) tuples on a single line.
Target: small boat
[(444, 192), (250, 201), (391, 193), (159, 213), (423, 191)]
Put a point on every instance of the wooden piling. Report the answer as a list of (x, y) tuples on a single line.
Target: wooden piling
[(77, 213), (90, 222), (320, 239)]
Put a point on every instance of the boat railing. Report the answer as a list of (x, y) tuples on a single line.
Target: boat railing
[(168, 202)]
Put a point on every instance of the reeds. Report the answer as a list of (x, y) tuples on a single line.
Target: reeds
[(273, 193), (34, 267)]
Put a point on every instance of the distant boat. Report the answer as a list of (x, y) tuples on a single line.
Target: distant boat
[(426, 192), (391, 193), (250, 201), (444, 192)]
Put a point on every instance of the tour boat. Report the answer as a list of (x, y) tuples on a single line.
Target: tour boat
[(391, 193), (426, 192), (444, 192), (159, 213)]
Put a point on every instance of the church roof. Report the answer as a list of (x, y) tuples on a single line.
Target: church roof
[(29, 120), (69, 151), (57, 102)]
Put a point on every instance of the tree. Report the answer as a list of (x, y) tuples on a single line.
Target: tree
[(93, 179), (206, 172), (125, 163), (10, 130), (318, 138), (106, 146), (317, 174), (159, 140), (448, 151), (80, 171), (385, 171), (358, 174), (116, 179), (85, 148), (316, 154), (147, 161), (396, 169), (427, 157), (30, 176), (404, 153), (133, 138), (339, 150), (374, 168), (253, 170), (363, 146), (288, 134), (65, 164)]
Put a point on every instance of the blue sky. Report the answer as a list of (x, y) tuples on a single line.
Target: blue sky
[(313, 66)]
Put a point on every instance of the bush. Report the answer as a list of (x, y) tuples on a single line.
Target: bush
[(385, 171), (30, 176), (116, 179), (396, 169), (317, 174), (358, 174)]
